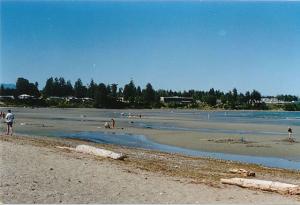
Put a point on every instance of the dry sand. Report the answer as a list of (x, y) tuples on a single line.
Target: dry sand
[(34, 171)]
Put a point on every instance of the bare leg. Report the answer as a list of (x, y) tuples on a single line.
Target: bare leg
[(11, 130), (7, 129), (290, 137)]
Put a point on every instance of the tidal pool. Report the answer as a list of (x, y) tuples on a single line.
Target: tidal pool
[(140, 141)]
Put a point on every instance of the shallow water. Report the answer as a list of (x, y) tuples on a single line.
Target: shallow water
[(167, 126), (140, 141), (71, 123), (265, 117)]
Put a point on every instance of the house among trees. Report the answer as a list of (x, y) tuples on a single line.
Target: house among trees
[(121, 99), (72, 99), (275, 100), (86, 99), (78, 100), (7, 97), (177, 100), (25, 97), (271, 100), (55, 98)]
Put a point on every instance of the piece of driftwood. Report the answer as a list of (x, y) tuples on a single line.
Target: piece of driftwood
[(243, 172), (95, 151), (278, 187)]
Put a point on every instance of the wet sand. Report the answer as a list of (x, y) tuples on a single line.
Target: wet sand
[(33, 170), (43, 121)]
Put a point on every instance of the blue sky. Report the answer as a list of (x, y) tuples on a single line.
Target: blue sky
[(173, 45)]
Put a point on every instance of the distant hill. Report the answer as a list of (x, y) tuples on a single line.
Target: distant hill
[(8, 85)]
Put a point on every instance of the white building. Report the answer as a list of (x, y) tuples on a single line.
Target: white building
[(176, 99), (7, 97), (25, 96), (273, 100)]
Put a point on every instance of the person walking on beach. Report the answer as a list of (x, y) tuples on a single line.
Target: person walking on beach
[(290, 131), (9, 121), (2, 115), (113, 123)]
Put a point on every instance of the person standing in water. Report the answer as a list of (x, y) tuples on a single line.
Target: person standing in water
[(9, 121)]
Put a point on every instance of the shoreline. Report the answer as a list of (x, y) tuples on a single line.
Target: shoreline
[(162, 108), (52, 142), (185, 170), (221, 137), (139, 142)]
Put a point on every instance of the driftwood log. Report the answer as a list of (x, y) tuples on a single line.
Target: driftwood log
[(243, 172), (95, 151), (278, 187)]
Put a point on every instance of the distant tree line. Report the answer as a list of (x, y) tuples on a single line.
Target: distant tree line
[(132, 96)]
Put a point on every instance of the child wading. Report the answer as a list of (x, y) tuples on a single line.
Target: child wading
[(290, 131)]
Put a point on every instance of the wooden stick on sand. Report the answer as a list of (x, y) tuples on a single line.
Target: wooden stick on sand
[(278, 187), (95, 151)]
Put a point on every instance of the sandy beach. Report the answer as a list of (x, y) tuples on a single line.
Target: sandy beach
[(33, 170)]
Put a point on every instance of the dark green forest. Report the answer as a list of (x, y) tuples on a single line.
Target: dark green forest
[(100, 95)]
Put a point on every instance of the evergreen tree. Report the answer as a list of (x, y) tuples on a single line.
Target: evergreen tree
[(80, 90), (69, 89), (247, 97), (114, 88), (129, 92), (149, 94), (49, 88), (23, 86), (211, 98), (101, 99), (92, 89), (255, 96), (61, 87)]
